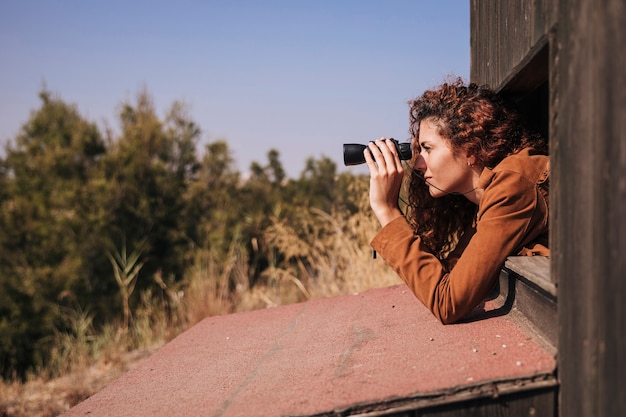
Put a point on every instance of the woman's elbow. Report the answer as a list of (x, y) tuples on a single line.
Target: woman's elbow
[(448, 315)]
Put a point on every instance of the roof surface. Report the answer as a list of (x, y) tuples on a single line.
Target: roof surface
[(362, 352)]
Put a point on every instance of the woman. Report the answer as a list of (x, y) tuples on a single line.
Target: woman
[(477, 193)]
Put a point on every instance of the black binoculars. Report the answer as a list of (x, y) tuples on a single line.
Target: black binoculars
[(353, 152)]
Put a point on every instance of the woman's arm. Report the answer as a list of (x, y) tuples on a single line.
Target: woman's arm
[(508, 210)]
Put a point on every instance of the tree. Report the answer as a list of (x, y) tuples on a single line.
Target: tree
[(262, 196), (212, 200), (44, 217), (147, 172), (317, 184)]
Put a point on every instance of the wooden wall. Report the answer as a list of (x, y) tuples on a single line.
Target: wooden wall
[(590, 155), (578, 47), (503, 34)]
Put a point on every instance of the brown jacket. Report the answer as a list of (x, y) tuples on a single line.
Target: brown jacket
[(512, 219)]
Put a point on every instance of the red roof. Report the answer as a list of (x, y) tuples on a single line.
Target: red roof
[(373, 350)]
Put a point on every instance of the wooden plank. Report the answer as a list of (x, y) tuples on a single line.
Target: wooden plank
[(590, 176), (528, 294), (534, 403), (535, 270), (540, 401)]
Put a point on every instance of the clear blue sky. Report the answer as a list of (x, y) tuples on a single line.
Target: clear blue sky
[(302, 77)]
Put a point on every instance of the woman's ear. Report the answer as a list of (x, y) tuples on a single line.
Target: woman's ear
[(471, 160)]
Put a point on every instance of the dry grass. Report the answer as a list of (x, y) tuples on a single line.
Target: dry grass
[(332, 258), (312, 254), (42, 397)]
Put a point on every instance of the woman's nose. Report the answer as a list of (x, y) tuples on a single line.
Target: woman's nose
[(419, 164)]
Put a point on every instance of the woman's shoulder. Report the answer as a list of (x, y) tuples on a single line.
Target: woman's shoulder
[(524, 165), (535, 167)]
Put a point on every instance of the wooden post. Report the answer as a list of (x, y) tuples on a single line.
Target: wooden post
[(589, 251)]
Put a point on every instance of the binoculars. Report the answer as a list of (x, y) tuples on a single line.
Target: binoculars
[(353, 152)]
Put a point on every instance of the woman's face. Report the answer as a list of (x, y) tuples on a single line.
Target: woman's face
[(443, 171)]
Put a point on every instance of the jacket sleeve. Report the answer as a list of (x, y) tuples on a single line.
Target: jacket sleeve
[(507, 210)]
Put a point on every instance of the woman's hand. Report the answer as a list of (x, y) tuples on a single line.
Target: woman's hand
[(386, 173)]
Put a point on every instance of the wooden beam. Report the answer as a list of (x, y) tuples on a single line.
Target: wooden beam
[(589, 160)]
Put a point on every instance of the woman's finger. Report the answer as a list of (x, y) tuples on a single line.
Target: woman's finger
[(389, 152)]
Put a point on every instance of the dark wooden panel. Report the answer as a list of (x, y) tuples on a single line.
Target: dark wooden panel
[(539, 398), (502, 33), (530, 403), (590, 176)]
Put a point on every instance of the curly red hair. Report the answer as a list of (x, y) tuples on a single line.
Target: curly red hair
[(477, 122)]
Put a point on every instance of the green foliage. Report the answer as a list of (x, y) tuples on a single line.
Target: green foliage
[(147, 171), (46, 190), (72, 199), (317, 184), (212, 200)]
